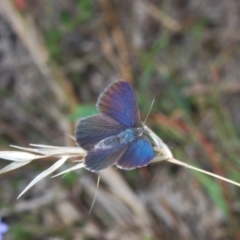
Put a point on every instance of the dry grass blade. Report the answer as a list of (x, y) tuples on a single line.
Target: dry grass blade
[(55, 78), (55, 151), (44, 146), (42, 175), (112, 179), (50, 196), (13, 166), (26, 149), (95, 195), (18, 156), (163, 152), (167, 155), (162, 17), (33, 42), (111, 19), (108, 202), (175, 161), (78, 166)]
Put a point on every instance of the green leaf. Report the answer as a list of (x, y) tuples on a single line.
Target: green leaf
[(83, 111), (85, 9), (70, 179)]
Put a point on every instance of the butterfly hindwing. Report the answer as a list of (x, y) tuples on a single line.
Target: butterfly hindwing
[(138, 154), (99, 159), (119, 102), (93, 129)]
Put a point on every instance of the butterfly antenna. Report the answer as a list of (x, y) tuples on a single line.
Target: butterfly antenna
[(72, 137), (95, 195), (149, 111)]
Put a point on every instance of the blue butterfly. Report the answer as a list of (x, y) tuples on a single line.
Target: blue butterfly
[(115, 135)]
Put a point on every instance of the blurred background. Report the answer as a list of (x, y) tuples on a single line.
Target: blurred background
[(55, 59)]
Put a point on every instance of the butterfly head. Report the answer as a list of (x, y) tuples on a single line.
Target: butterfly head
[(140, 131)]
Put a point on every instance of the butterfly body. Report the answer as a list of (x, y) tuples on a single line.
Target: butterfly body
[(123, 137), (115, 135)]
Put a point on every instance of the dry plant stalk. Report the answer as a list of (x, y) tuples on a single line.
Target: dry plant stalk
[(25, 28), (32, 40), (160, 16), (63, 154), (120, 42)]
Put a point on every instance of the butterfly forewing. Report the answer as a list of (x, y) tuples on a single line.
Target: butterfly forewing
[(119, 102), (93, 129)]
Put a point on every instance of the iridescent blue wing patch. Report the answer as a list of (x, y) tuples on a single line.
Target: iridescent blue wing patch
[(139, 153), (95, 128), (99, 159), (119, 102)]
